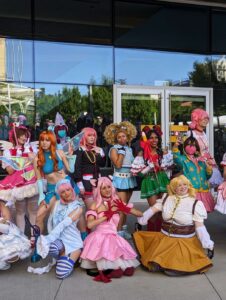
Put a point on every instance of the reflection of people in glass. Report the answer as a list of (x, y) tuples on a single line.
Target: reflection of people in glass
[(89, 159), (120, 135), (199, 121), (178, 248), (20, 185)]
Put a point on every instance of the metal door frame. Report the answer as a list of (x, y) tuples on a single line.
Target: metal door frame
[(165, 93)]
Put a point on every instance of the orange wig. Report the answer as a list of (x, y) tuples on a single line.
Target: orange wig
[(48, 136)]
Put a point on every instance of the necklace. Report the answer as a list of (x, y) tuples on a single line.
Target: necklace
[(93, 159)]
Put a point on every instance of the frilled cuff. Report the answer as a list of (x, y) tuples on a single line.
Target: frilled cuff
[(146, 216)]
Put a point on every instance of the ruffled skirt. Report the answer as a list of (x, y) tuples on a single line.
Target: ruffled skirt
[(107, 251), (19, 185), (14, 244), (153, 184), (207, 200), (171, 253)]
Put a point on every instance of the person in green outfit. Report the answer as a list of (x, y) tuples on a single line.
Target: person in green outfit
[(154, 178)]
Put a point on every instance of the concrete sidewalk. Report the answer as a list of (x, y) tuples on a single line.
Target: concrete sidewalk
[(17, 284)]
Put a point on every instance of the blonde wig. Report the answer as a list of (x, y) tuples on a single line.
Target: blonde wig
[(112, 130), (174, 183)]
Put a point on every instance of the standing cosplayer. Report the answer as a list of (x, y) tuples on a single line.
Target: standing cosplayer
[(64, 241), (154, 177), (89, 159), (199, 121), (195, 169), (120, 135), (178, 248), (104, 249), (20, 185)]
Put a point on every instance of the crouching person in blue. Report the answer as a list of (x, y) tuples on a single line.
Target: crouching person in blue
[(64, 241)]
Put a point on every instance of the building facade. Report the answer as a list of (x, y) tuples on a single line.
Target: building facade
[(98, 61)]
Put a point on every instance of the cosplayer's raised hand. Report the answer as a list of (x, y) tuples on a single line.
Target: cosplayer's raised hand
[(121, 206)]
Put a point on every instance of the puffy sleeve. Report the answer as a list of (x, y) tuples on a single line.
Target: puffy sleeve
[(91, 213), (34, 148), (159, 202), (200, 213), (178, 158), (223, 163)]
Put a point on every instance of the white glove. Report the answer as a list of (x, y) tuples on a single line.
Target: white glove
[(204, 237), (146, 216)]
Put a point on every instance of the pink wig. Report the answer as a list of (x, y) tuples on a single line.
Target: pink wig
[(87, 131), (196, 115), (63, 185), (102, 181)]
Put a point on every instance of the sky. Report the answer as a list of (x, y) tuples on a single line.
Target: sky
[(64, 63)]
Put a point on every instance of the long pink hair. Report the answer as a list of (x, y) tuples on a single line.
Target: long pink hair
[(87, 131), (102, 181), (196, 115)]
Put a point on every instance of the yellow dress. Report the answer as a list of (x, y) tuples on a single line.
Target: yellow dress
[(171, 252)]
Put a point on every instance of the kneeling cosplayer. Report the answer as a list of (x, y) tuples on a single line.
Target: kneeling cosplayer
[(64, 241)]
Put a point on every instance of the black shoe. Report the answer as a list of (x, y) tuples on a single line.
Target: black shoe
[(137, 227), (92, 272)]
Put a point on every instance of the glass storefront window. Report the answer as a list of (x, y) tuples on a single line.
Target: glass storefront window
[(158, 68), (16, 60), (70, 63), (80, 106), (141, 109), (17, 105)]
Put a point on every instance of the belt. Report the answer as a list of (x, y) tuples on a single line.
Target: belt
[(177, 229), (87, 176), (122, 175)]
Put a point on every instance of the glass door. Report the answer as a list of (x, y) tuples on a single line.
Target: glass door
[(169, 107), (142, 106), (180, 102)]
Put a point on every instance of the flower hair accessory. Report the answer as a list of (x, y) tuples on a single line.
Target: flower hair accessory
[(157, 129)]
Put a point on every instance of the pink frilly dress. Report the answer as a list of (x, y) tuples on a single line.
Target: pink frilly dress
[(221, 193), (105, 249), (201, 137), (22, 183)]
